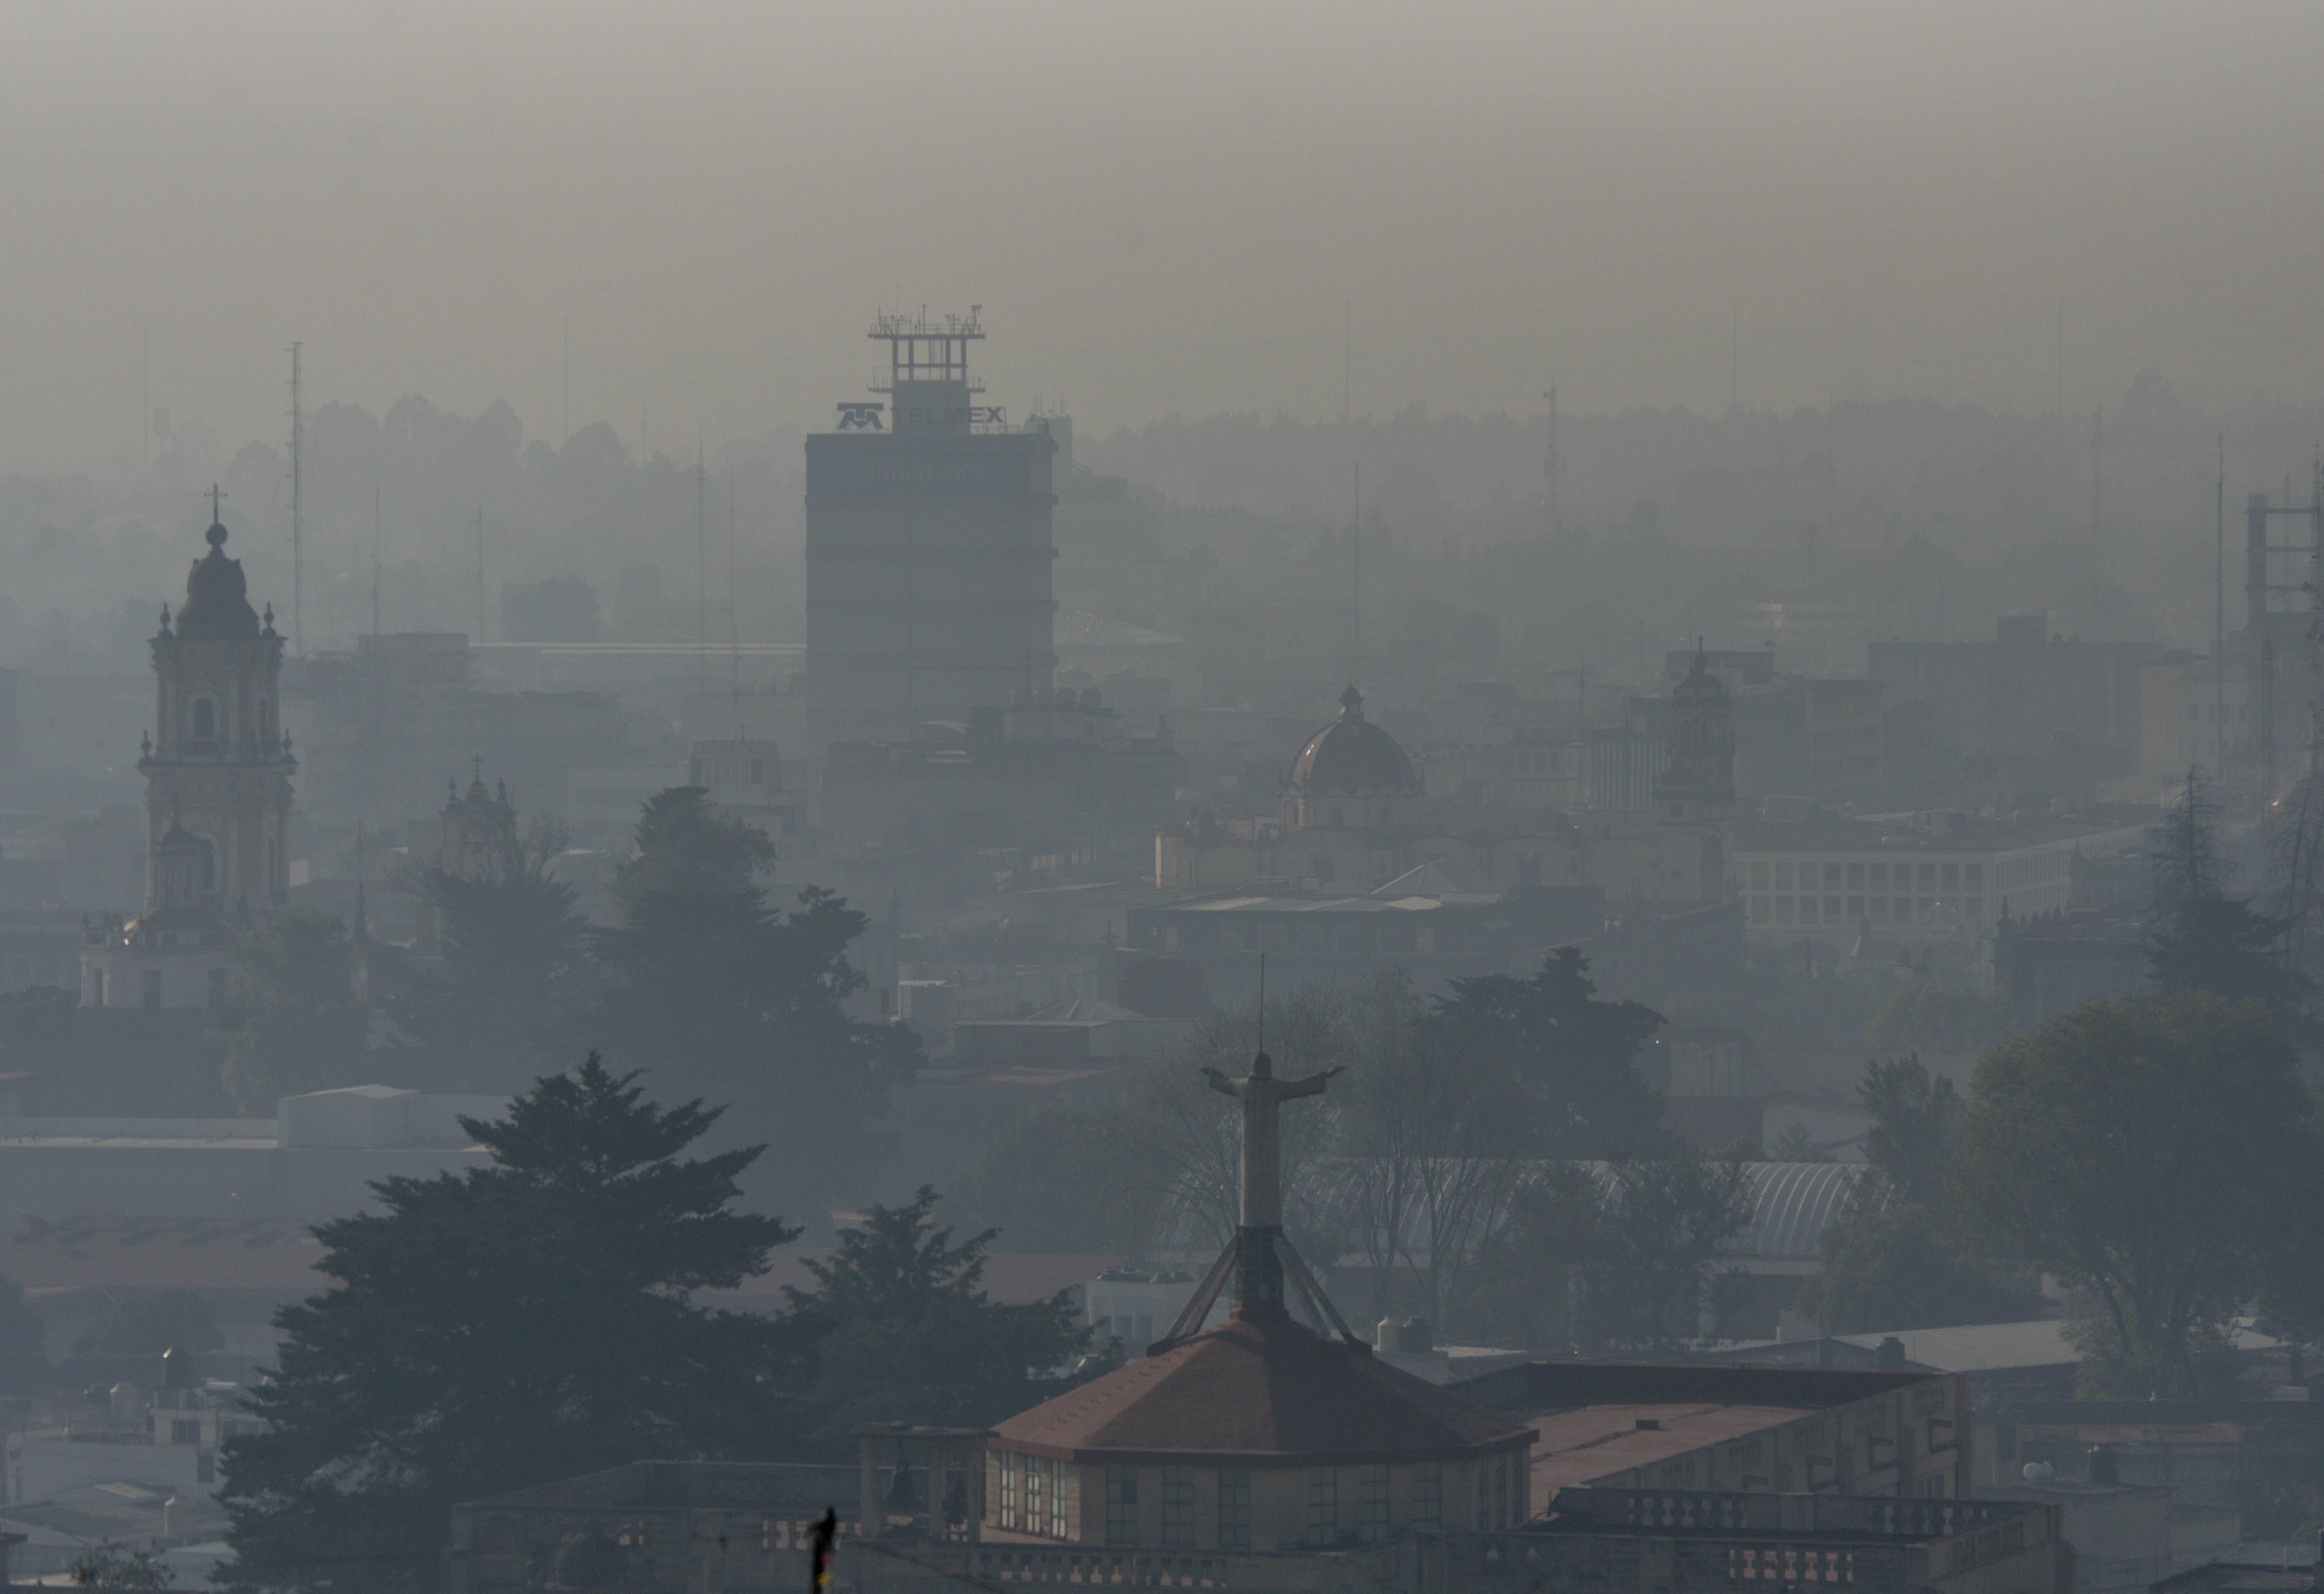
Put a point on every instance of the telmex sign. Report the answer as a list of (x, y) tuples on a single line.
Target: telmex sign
[(865, 417)]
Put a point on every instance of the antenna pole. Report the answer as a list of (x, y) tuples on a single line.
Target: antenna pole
[(564, 386), (1262, 1002), (377, 522), (145, 414), (733, 611), (480, 574), (297, 517), (701, 567), (1549, 466), (2098, 471), (1356, 534), (2219, 616)]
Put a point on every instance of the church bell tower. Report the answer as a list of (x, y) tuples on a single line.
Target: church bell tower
[(217, 769)]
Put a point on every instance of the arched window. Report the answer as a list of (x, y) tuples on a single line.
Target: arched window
[(205, 722)]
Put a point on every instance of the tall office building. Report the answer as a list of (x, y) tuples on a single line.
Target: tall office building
[(929, 550)]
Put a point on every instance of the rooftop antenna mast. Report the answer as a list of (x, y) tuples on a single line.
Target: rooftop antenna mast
[(480, 573), (298, 516)]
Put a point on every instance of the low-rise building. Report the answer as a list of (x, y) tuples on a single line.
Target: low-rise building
[(1914, 881)]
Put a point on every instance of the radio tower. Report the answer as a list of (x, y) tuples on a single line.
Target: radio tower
[(298, 529)]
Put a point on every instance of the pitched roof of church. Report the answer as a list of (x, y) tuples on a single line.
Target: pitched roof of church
[(1260, 1390)]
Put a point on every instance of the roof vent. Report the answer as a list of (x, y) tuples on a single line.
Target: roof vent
[(1654, 1422)]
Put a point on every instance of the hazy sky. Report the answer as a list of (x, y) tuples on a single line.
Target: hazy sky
[(1163, 207)]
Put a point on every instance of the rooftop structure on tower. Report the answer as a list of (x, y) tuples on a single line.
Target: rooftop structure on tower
[(929, 547), (1263, 1433)]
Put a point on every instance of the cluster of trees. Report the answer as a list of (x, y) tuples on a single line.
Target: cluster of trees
[(701, 978), (1492, 1157), (2159, 1158), (542, 1316)]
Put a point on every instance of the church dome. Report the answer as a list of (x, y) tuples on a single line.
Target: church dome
[(1353, 755), (217, 596)]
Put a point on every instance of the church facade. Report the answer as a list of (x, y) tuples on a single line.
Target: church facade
[(217, 769)]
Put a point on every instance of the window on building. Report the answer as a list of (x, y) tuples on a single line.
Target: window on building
[(1783, 877), (1783, 911), (149, 987), (1832, 876), (1880, 877), (1807, 910), (1323, 1505), (1121, 1504), (1952, 877), (1855, 877), (1372, 1504), (1759, 876), (1012, 1472), (1234, 1507), (1928, 876), (217, 987), (204, 719), (1880, 906), (1973, 877), (1178, 1506), (1831, 911), (1428, 1495), (1855, 909), (1057, 1475), (1036, 1503)]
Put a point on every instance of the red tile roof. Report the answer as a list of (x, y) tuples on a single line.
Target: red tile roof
[(1587, 1442), (1260, 1392)]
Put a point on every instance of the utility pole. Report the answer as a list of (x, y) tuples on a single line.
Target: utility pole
[(297, 517)]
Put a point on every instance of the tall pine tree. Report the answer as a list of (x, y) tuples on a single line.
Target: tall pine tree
[(508, 1326)]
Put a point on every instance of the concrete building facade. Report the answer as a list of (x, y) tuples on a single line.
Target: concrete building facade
[(930, 549)]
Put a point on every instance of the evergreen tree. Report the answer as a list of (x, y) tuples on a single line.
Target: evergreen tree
[(2199, 939), (705, 981), (303, 1029), (1574, 1056), (907, 1332), (508, 1326), (511, 949)]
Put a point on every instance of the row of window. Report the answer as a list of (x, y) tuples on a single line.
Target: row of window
[(1324, 1520), (1874, 910), (1879, 877), (1033, 1494)]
